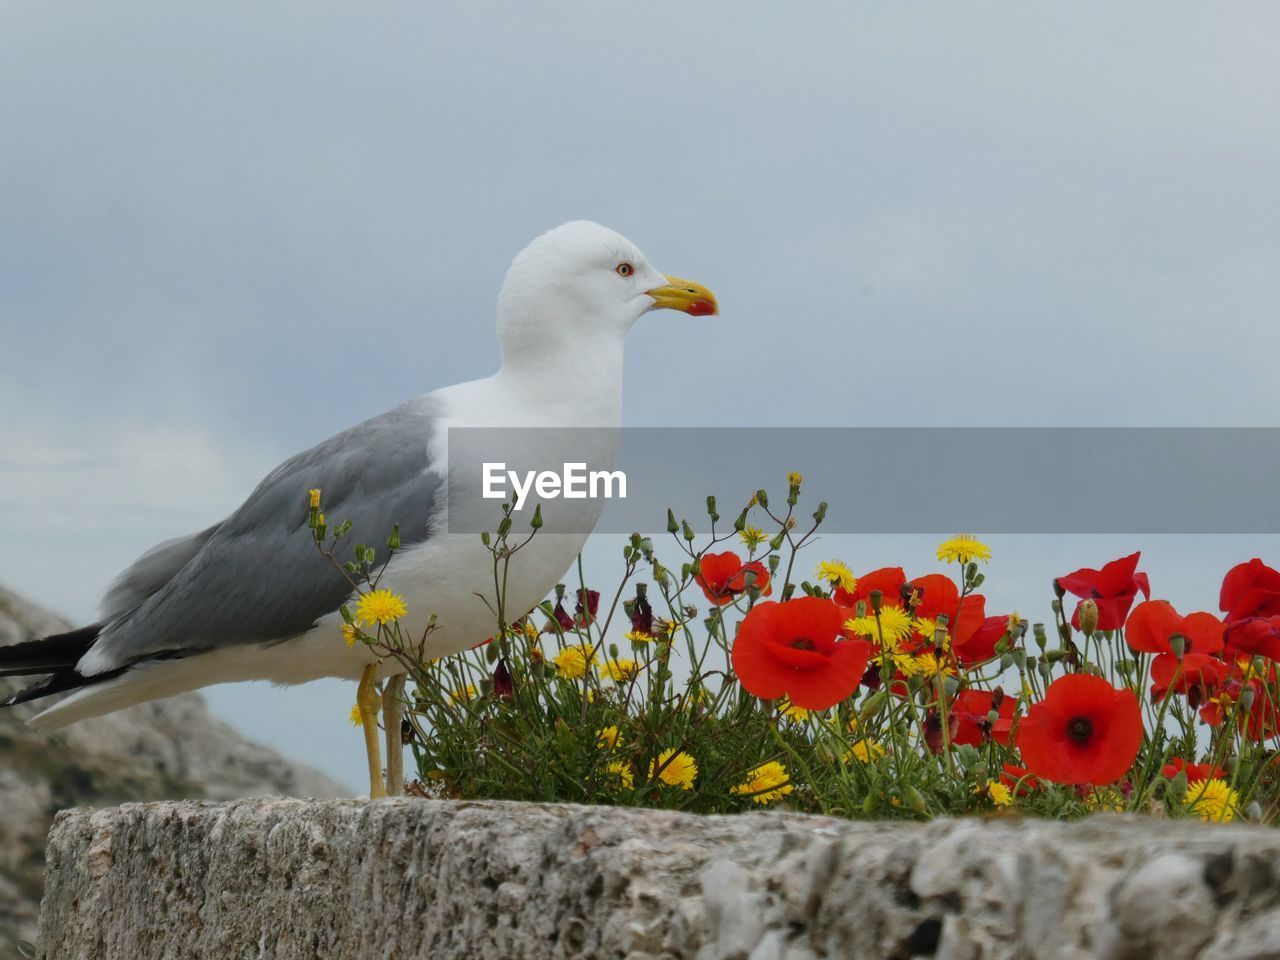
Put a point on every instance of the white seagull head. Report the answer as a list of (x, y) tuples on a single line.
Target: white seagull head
[(581, 283)]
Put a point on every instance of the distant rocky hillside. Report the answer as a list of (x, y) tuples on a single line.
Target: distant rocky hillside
[(172, 749)]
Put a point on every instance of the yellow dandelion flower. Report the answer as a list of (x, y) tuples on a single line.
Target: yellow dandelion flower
[(864, 751), (852, 725), (314, 496), (380, 606), (463, 694), (572, 662), (667, 628), (766, 783), (924, 665), (350, 633), (676, 769), (355, 718), (639, 636), (995, 791), (1212, 800), (622, 770), (608, 737), (620, 671), (962, 548), (320, 520), (789, 710), (895, 624), (1109, 800), (753, 536), (837, 574), (795, 478)]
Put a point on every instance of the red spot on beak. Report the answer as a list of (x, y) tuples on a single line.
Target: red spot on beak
[(701, 308)]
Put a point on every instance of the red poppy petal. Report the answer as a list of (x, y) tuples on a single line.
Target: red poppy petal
[(1150, 625)]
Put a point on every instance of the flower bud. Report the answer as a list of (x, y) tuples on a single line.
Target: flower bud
[(1247, 696), (1088, 617), (1041, 639), (1064, 632), (504, 684), (672, 526), (993, 717), (1253, 812), (877, 599), (1058, 590)]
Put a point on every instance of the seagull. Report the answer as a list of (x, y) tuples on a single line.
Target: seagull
[(251, 598)]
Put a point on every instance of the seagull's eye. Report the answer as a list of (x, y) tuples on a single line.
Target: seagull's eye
[(624, 269)]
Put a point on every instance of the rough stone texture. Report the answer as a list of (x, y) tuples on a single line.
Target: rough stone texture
[(425, 878), (164, 750)]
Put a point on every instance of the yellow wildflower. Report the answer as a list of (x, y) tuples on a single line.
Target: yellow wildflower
[(962, 548), (1107, 799), (572, 662), (766, 783), (676, 769), (1212, 800), (895, 624), (837, 574), (622, 770), (608, 737), (639, 636), (355, 718), (380, 606), (667, 628), (350, 633), (923, 665), (462, 694), (789, 710), (620, 671), (794, 478), (864, 751), (999, 794), (315, 498), (753, 536)]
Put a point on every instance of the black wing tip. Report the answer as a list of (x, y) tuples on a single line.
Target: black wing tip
[(47, 654)]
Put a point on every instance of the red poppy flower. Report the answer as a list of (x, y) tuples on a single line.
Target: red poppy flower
[(795, 649), (1254, 636), (934, 595), (723, 576), (1250, 590), (1113, 589), (1195, 771), (972, 709), (1151, 629), (888, 580), (975, 636), (1084, 731)]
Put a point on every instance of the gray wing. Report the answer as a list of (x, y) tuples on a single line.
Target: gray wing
[(149, 573), (258, 577)]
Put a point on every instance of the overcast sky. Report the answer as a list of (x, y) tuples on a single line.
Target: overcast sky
[(229, 230)]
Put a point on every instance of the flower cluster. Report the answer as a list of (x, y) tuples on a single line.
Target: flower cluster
[(727, 682)]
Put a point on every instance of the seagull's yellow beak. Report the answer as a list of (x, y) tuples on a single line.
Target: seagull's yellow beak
[(692, 298)]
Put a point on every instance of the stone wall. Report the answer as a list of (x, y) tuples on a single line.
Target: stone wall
[(415, 878)]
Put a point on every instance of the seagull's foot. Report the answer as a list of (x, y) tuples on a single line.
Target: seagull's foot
[(369, 702), (392, 717)]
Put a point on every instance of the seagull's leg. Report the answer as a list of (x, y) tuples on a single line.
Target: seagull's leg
[(369, 702), (392, 717)]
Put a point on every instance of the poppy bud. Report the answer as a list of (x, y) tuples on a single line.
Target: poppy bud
[(1006, 661), (877, 599), (1020, 659), (993, 717), (1246, 699), (1056, 606), (871, 706), (1088, 611), (1058, 590), (913, 798), (1178, 644), (997, 698), (1041, 639), (1195, 696)]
